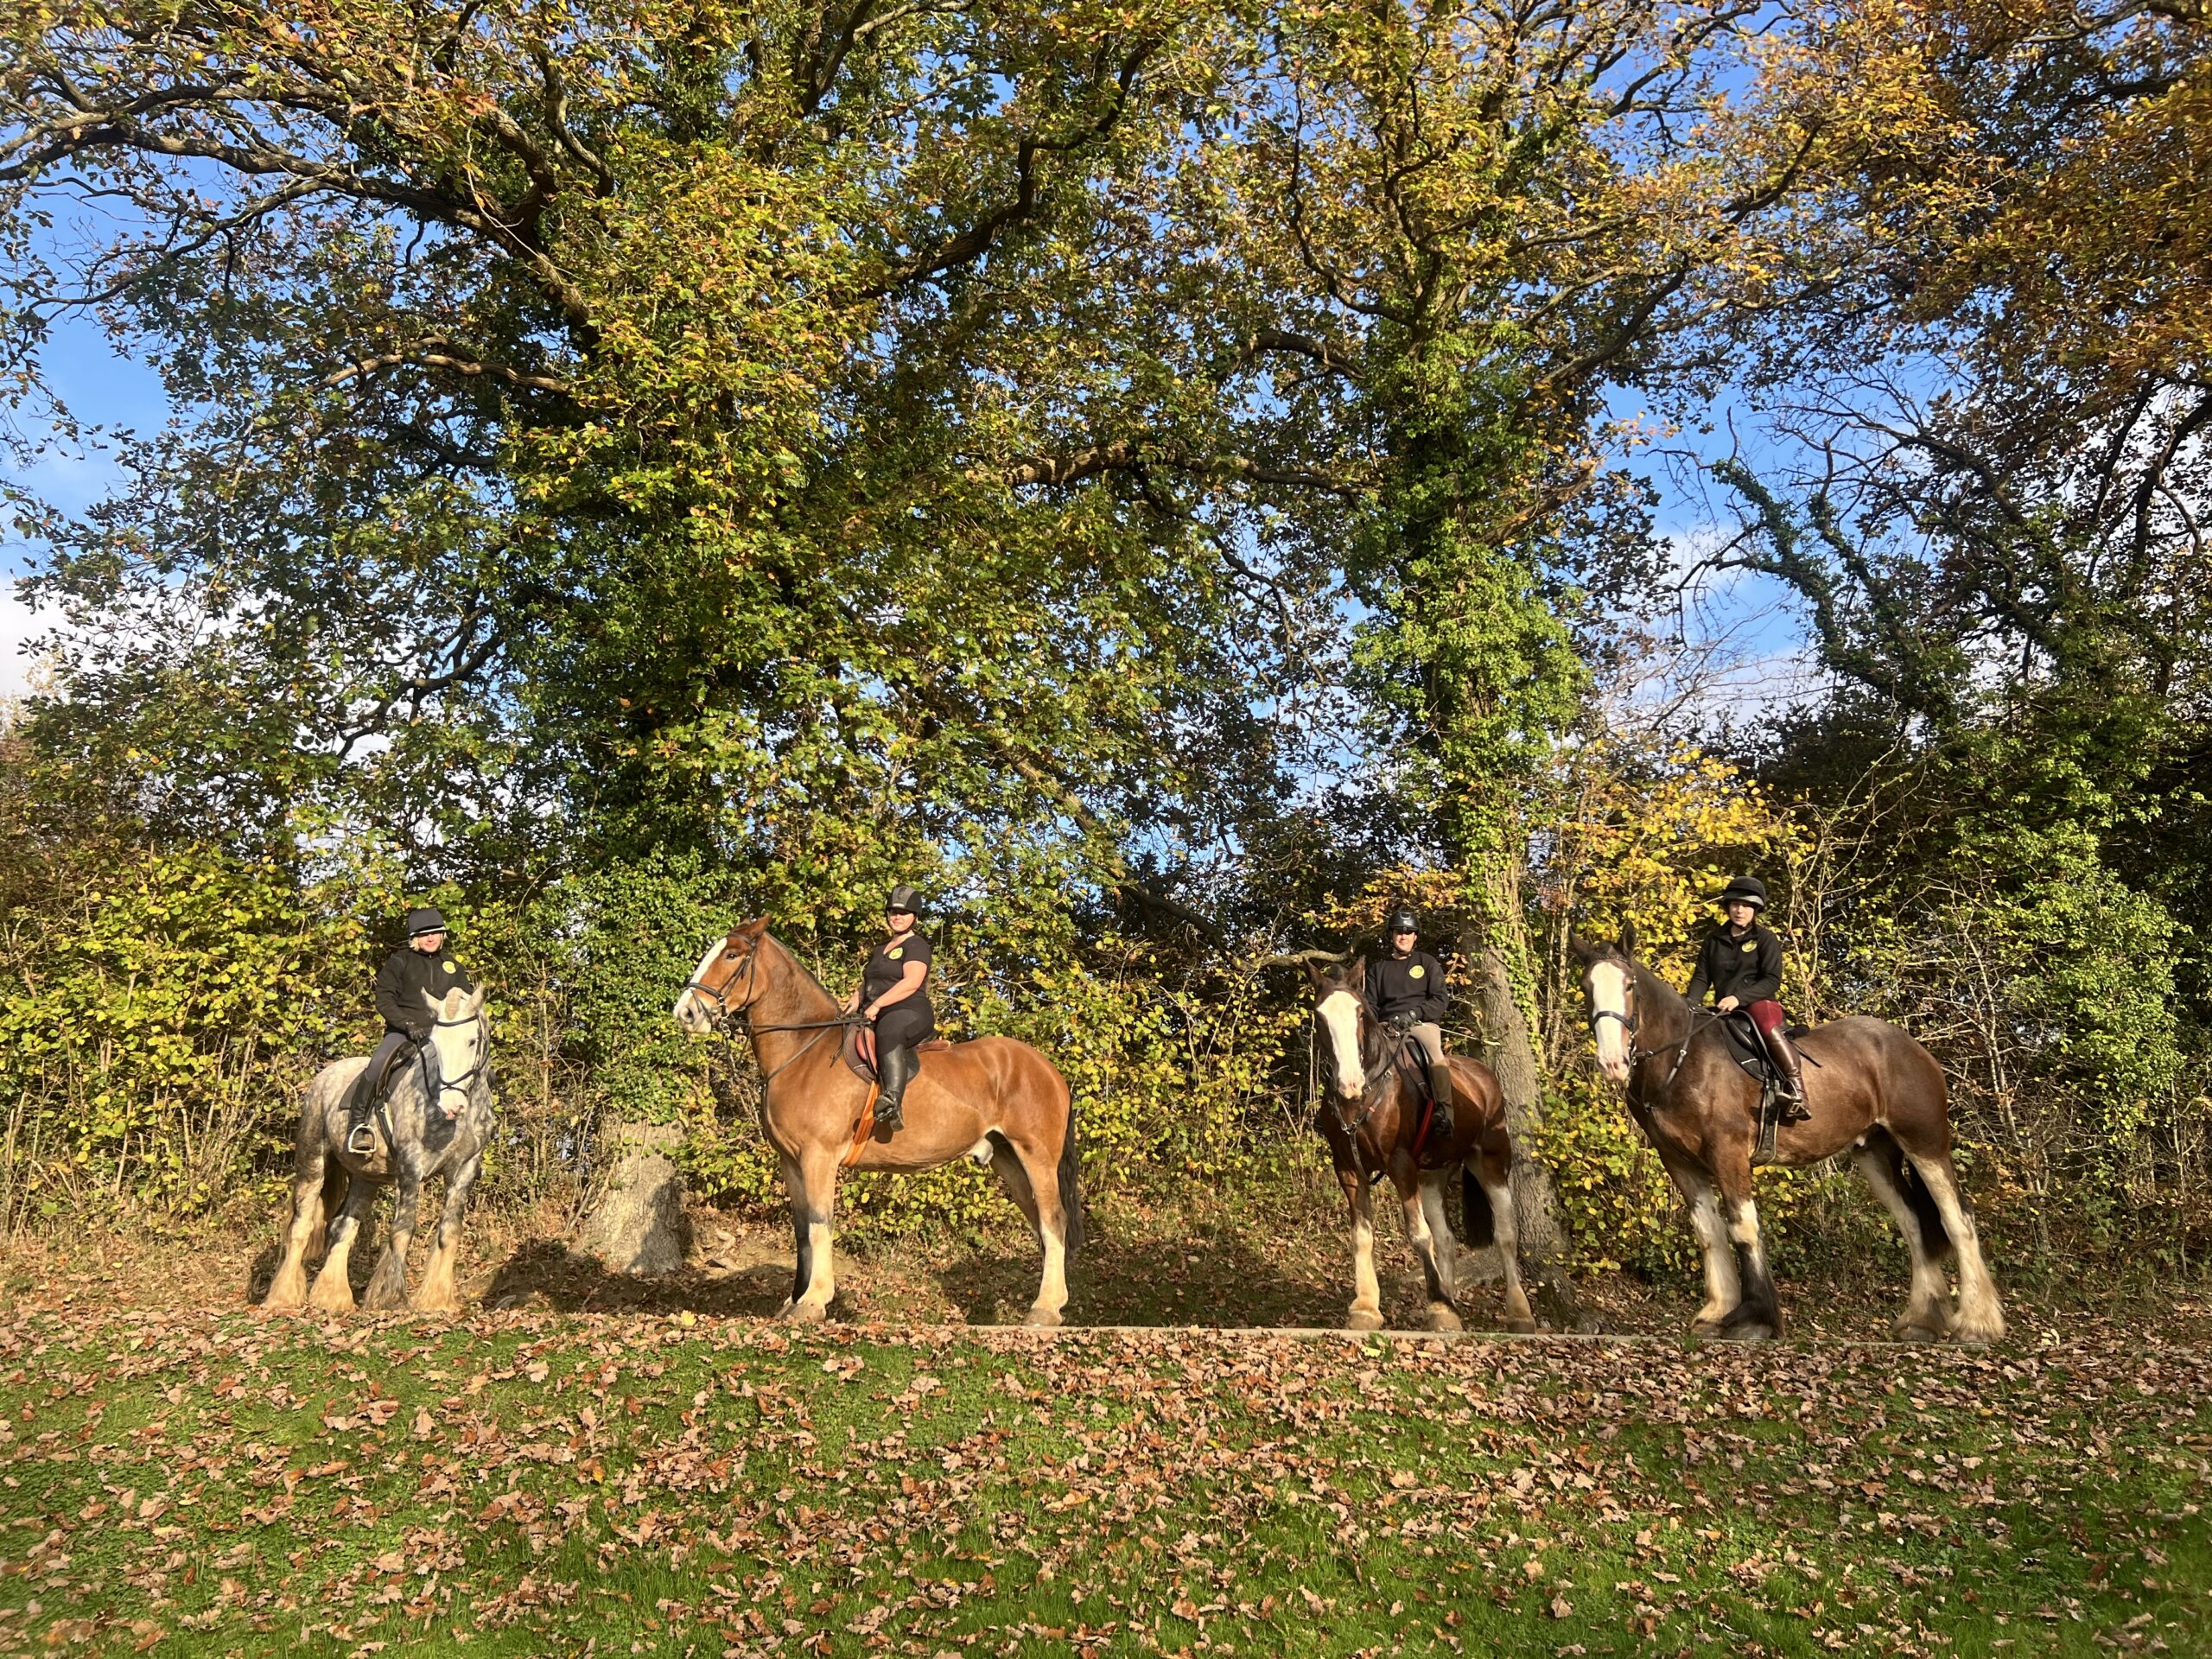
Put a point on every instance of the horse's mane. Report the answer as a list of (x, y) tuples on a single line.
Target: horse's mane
[(801, 976)]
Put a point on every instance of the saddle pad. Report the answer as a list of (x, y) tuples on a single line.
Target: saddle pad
[(859, 1051)]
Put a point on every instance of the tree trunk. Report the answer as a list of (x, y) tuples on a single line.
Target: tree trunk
[(638, 1225), (1511, 1054)]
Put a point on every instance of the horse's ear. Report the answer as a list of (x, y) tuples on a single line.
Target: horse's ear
[(476, 1001), (749, 932), (1582, 950), (1356, 976), (1628, 938), (1314, 972), (437, 1004)]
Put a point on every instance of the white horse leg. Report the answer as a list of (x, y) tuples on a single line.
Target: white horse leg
[(1367, 1292), (289, 1287), (813, 1190), (333, 1292), (1981, 1315), (1036, 1192), (388, 1284), (1927, 1307), (1722, 1289), (436, 1294), (1505, 1228), (1432, 1242)]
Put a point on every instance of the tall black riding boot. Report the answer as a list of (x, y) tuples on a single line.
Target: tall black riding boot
[(1439, 1084), (1791, 1092), (894, 1068)]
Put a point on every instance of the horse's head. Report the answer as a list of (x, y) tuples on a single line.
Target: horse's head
[(1340, 1004), (723, 983), (1609, 989), (461, 1037)]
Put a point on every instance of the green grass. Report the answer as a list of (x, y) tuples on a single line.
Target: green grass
[(533, 1483)]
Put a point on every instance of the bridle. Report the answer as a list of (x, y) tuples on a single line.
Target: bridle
[(724, 1011), (460, 1085), (1631, 1023), (1387, 1057)]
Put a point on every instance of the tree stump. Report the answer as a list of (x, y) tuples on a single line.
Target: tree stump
[(637, 1226)]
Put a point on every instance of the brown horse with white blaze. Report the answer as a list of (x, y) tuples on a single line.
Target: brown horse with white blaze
[(996, 1100), (1870, 1090), (1374, 1119)]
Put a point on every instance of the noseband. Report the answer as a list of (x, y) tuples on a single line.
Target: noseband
[(461, 1083), (720, 998)]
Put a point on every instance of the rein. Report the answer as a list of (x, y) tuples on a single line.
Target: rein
[(437, 1090), (1630, 1024), (723, 1011)]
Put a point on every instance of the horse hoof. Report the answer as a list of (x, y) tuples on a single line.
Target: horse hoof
[(1362, 1319), (1748, 1331), (1903, 1331), (331, 1301), (1975, 1336), (1441, 1317), (805, 1312), (1043, 1319), (1523, 1327)]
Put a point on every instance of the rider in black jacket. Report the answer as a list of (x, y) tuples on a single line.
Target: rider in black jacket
[(1740, 963), (1406, 991), (424, 967)]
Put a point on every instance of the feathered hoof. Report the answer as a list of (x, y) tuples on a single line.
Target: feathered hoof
[(803, 1313), (331, 1299), (1979, 1334), (287, 1291), (1363, 1319), (382, 1298), (1522, 1327), (1442, 1317), (1747, 1330), (1043, 1319), (1910, 1330)]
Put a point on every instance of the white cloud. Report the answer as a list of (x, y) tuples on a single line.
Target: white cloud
[(17, 665)]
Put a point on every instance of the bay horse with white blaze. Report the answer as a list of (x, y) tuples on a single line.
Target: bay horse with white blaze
[(993, 1099), (1870, 1090), (1374, 1119)]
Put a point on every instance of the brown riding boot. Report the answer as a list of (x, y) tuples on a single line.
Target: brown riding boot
[(1790, 1093)]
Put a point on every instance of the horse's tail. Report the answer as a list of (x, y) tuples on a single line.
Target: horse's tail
[(336, 1183), (1070, 1186), (1935, 1237), (1479, 1224)]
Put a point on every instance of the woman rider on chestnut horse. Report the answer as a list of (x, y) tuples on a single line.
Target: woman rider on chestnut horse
[(895, 999)]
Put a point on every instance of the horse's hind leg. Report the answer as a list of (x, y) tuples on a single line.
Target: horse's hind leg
[(1927, 1313), (1367, 1293), (388, 1284), (309, 1158), (1034, 1187), (1493, 1175), (1981, 1315), (332, 1291), (436, 1295), (1430, 1237)]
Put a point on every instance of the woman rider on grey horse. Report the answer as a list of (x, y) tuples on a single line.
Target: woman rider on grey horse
[(894, 998), (424, 968)]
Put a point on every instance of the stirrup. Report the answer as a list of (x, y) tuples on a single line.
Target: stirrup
[(890, 1117), (361, 1139)]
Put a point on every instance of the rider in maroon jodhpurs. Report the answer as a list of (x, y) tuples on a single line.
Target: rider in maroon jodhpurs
[(1741, 964)]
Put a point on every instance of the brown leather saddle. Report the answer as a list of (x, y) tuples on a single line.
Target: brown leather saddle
[(859, 1051)]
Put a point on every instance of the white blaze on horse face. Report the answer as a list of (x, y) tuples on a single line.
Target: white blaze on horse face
[(1609, 994), (1339, 1012), (692, 1012)]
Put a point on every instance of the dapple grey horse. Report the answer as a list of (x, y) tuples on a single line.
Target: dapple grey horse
[(434, 1122)]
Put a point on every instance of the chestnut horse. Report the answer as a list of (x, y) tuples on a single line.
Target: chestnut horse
[(1871, 1090), (996, 1100), (1373, 1119)]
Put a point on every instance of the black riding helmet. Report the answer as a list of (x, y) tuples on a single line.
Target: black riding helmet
[(1747, 888), (424, 920), (903, 897), (1403, 922)]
